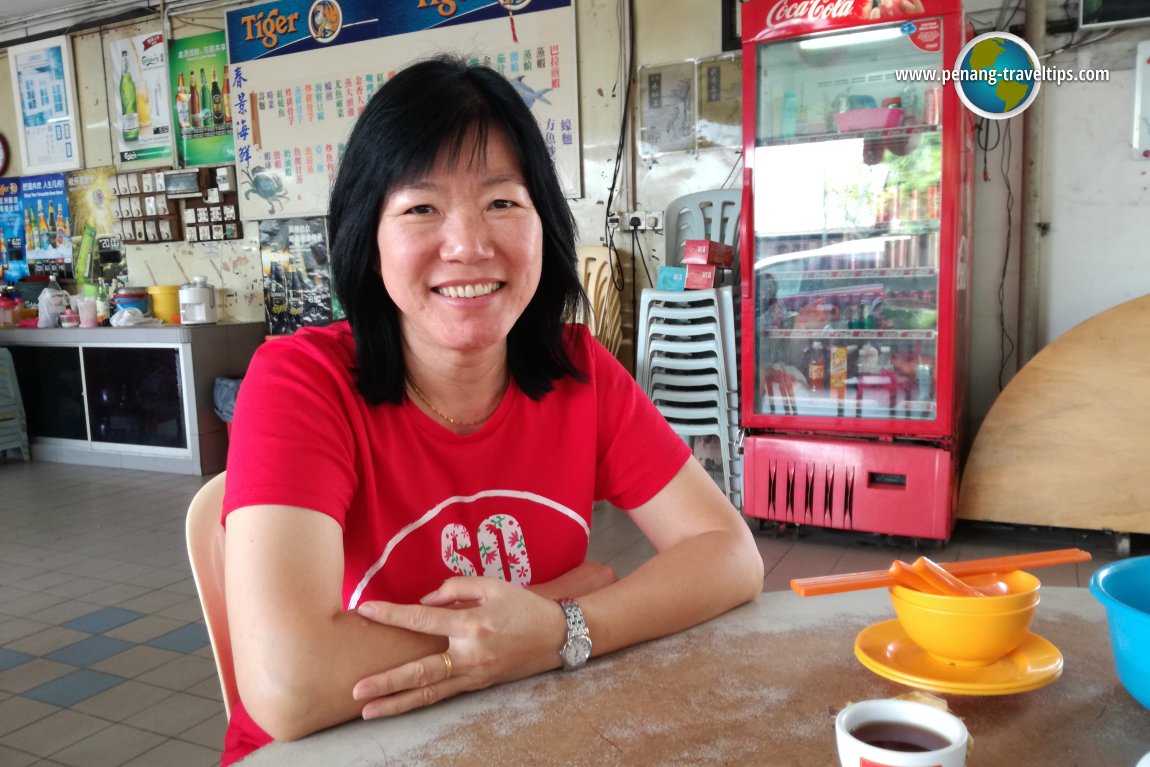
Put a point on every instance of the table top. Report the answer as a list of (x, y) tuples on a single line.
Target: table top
[(759, 685)]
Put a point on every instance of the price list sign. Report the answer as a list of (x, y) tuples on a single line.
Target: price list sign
[(298, 82), (45, 94)]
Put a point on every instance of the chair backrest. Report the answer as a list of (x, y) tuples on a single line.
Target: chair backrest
[(205, 537), (708, 215)]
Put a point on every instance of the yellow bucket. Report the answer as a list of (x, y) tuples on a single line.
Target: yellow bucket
[(166, 303)]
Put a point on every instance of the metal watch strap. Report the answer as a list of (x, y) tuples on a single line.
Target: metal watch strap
[(577, 649)]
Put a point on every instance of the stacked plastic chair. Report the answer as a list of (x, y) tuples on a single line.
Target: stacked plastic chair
[(686, 362), (13, 422), (708, 215)]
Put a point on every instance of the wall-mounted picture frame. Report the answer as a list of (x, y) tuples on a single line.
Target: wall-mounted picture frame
[(719, 86), (1142, 101), (667, 108), (44, 92)]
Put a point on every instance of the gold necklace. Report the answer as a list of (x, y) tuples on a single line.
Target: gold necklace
[(455, 421)]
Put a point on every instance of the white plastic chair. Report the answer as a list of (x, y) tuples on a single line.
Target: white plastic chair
[(205, 540), (13, 420), (707, 215)]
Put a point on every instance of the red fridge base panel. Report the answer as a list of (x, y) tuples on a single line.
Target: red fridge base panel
[(875, 487)]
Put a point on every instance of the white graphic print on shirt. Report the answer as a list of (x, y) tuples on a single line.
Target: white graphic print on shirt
[(501, 548)]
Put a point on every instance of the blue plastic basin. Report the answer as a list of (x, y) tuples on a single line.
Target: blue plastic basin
[(1124, 589)]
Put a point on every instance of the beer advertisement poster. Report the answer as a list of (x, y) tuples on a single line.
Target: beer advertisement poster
[(46, 224), (198, 78), (89, 202), (297, 278), (12, 231), (138, 92)]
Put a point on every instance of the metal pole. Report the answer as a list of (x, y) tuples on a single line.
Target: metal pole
[(1031, 244)]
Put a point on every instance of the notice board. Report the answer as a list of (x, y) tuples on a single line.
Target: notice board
[(302, 71)]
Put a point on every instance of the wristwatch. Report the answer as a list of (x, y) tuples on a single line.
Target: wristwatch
[(577, 649)]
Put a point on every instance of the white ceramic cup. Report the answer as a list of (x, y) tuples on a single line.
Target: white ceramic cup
[(855, 753)]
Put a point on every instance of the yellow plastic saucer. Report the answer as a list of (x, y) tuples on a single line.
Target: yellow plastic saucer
[(885, 649)]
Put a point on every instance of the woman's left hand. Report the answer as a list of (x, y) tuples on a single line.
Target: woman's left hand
[(495, 631)]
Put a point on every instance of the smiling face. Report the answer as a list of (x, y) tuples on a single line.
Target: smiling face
[(461, 249)]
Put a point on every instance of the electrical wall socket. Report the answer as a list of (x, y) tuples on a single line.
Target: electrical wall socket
[(641, 220)]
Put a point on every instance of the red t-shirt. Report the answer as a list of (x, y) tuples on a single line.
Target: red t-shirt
[(419, 503)]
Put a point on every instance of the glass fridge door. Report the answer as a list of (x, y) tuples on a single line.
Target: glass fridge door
[(846, 185)]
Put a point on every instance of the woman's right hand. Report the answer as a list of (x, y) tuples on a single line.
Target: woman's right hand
[(496, 632)]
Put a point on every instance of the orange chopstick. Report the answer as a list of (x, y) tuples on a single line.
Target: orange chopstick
[(874, 579)]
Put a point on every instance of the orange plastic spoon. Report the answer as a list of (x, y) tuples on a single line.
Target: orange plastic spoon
[(942, 582), (904, 575)]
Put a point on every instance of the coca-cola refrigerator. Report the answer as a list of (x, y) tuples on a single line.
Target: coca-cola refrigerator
[(855, 267)]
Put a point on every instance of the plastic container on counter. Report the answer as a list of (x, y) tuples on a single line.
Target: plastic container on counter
[(165, 303), (131, 298)]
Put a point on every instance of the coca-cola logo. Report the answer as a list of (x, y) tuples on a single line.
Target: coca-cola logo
[(809, 10)]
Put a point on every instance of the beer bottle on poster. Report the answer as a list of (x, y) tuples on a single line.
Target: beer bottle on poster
[(217, 100), (295, 297), (194, 103), (278, 302), (129, 120), (41, 226), (51, 225), (29, 232), (182, 102), (205, 101)]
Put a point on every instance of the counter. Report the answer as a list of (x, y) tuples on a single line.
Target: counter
[(134, 398)]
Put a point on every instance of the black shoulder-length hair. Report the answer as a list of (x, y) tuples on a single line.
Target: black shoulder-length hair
[(429, 107)]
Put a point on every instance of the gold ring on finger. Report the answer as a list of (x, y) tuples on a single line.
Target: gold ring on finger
[(447, 663)]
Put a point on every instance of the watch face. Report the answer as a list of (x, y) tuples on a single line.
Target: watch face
[(576, 651)]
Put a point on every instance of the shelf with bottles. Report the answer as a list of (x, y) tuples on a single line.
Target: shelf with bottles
[(840, 377), (892, 134), (853, 310), (142, 209)]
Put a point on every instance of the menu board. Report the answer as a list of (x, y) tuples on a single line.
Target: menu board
[(302, 71)]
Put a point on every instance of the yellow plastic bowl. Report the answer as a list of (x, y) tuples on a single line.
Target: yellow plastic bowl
[(970, 631)]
